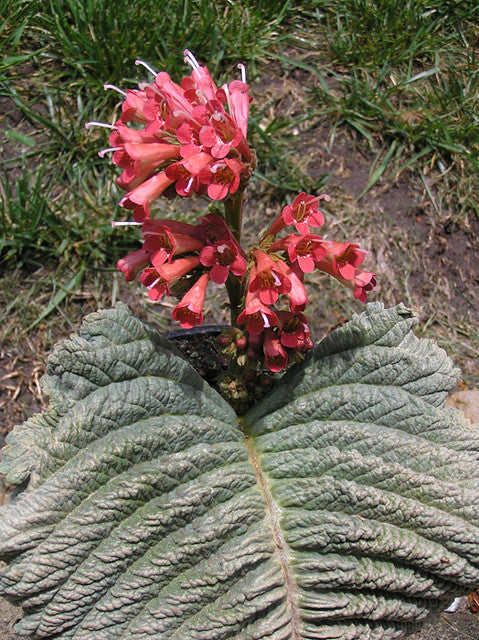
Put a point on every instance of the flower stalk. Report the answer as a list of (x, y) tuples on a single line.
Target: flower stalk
[(178, 140)]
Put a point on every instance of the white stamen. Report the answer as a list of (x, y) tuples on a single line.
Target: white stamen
[(103, 152), (189, 185), (277, 281), (115, 88), (265, 320), (190, 59), (118, 223), (153, 284), (243, 72), (93, 123), (222, 248), (146, 65)]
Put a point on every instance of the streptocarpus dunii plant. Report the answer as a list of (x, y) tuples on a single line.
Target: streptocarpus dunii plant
[(344, 505)]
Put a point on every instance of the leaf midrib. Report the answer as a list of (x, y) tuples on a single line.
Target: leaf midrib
[(282, 549)]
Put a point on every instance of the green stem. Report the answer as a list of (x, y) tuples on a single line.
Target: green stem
[(234, 219), (234, 212)]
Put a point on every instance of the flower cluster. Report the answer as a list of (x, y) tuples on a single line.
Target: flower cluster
[(191, 138)]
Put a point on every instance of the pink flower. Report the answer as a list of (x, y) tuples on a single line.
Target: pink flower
[(275, 355), (141, 160), (133, 263), (305, 250), (186, 173), (222, 177), (142, 196), (361, 283), (172, 93), (238, 104), (256, 315), (189, 312), (158, 281), (163, 244), (189, 138), (345, 257), (133, 106), (200, 88), (294, 331), (297, 296), (268, 278), (223, 257), (303, 213)]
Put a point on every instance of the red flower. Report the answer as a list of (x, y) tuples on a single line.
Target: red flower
[(361, 283), (256, 315), (223, 257), (268, 278), (158, 280), (345, 257), (186, 173), (189, 312), (294, 331), (133, 107), (275, 355), (142, 196), (188, 121), (133, 263), (141, 160), (303, 213), (163, 244), (297, 296), (200, 88), (222, 177), (238, 103), (305, 250)]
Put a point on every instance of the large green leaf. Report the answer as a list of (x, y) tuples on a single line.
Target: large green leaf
[(343, 506)]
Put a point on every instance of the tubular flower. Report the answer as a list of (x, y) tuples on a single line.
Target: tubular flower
[(297, 295), (276, 358), (269, 278), (304, 251), (362, 282), (222, 252), (141, 160), (223, 256), (158, 281), (132, 109), (163, 244), (302, 213), (294, 331), (133, 263), (238, 103), (190, 121), (256, 315), (189, 312), (186, 172), (345, 257), (222, 177), (142, 196)]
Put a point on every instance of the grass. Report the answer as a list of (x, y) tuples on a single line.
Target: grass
[(404, 75), (401, 76)]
